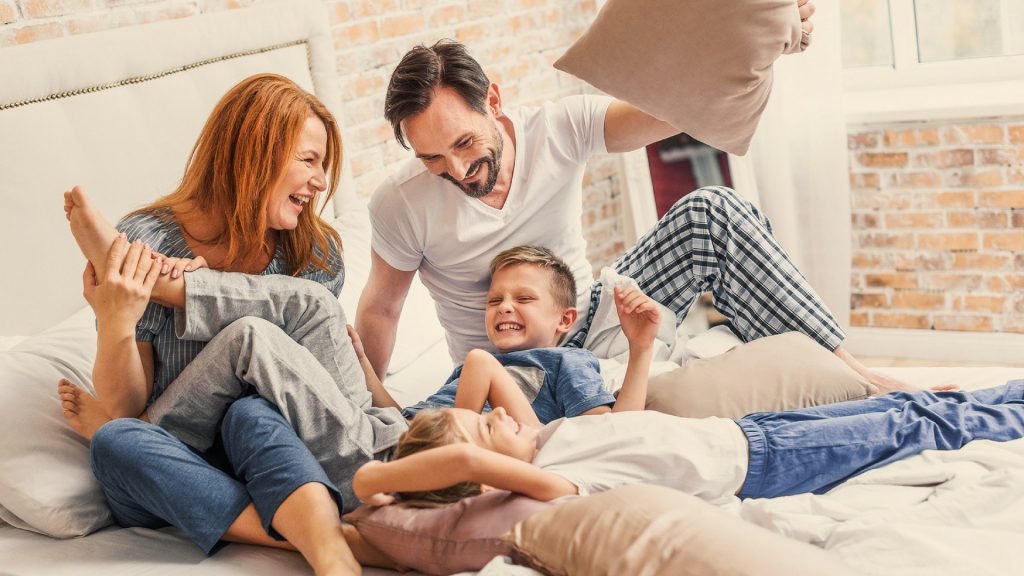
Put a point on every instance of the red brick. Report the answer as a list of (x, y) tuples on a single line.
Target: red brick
[(998, 156), (880, 199), (864, 180), (355, 34), (471, 33), (953, 281), (974, 134), (1017, 133), (867, 260), (911, 138), (920, 300), (1012, 241), (948, 241), (980, 261), (884, 240), (1016, 281), (49, 8), (8, 12), (446, 16), (963, 323), (860, 319), (1018, 219), (874, 300), (862, 140), (977, 219), (922, 261), (912, 220), (339, 12), (31, 33), (903, 179), (993, 304), (863, 220), (901, 320), (960, 199), (1002, 199), (975, 178), (883, 159), (891, 280), (1016, 176), (944, 158), (369, 8)]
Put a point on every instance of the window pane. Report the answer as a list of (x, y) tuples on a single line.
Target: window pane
[(954, 29), (867, 40)]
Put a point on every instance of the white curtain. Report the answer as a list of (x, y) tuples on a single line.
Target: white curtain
[(797, 165)]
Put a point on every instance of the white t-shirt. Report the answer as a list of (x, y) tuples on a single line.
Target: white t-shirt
[(423, 222), (704, 457)]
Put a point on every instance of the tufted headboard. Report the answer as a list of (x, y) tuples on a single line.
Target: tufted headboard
[(84, 110)]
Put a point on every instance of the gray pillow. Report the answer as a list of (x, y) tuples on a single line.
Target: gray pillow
[(770, 374)]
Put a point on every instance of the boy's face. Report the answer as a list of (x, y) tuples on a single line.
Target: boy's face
[(498, 432), (522, 312)]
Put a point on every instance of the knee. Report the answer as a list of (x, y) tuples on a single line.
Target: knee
[(710, 196), (244, 411), (246, 327), (116, 445)]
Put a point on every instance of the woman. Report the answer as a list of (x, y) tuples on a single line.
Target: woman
[(265, 155)]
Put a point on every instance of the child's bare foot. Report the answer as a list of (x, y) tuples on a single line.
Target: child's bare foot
[(83, 412), (91, 230)]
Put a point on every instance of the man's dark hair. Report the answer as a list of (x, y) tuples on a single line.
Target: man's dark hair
[(422, 71)]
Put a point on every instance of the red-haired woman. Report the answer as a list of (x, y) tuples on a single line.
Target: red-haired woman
[(245, 206)]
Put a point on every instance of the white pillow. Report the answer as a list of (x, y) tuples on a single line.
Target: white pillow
[(419, 329), (46, 484)]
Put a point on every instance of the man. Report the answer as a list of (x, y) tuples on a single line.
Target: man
[(486, 179)]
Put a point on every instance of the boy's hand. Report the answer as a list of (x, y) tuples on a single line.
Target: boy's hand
[(639, 316), (357, 344), (376, 498)]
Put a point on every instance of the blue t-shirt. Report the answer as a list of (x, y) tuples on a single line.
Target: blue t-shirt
[(559, 382)]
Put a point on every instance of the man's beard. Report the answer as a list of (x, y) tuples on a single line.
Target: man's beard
[(493, 162)]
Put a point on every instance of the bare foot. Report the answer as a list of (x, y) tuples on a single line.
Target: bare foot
[(82, 410), (91, 230)]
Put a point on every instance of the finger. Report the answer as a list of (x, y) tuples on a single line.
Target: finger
[(153, 274), (145, 263), (807, 9), (131, 260), (807, 26), (179, 267), (199, 262), (166, 265), (116, 254)]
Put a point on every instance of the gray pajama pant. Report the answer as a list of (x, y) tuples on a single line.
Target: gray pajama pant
[(285, 339)]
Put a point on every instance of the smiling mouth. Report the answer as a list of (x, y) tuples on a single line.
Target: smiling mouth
[(299, 201), (509, 327)]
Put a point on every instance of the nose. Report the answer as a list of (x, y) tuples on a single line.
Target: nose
[(319, 179), (457, 167), (505, 306)]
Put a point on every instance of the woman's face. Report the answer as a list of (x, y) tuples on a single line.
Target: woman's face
[(304, 176)]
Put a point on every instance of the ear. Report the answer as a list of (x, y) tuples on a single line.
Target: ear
[(567, 320), (494, 100)]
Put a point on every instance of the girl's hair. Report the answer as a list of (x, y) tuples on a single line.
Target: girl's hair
[(240, 157), (431, 429)]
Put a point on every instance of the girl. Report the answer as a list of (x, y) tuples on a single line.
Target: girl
[(449, 454)]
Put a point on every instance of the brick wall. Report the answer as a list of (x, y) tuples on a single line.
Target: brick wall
[(515, 40), (938, 225)]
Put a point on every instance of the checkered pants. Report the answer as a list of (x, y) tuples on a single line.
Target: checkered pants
[(713, 239)]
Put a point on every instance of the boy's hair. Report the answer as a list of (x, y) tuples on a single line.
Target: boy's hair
[(432, 429), (563, 283)]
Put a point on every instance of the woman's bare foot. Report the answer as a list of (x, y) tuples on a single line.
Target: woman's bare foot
[(91, 230), (82, 410)]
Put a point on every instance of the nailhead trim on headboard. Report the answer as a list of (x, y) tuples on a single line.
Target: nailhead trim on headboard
[(148, 77)]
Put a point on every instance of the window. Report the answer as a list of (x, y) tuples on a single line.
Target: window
[(932, 57)]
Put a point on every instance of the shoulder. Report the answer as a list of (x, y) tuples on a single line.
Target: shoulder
[(410, 175), (150, 226)]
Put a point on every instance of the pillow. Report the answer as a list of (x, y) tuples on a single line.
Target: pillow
[(657, 530), (462, 536), (46, 483), (780, 372), (418, 329), (703, 66)]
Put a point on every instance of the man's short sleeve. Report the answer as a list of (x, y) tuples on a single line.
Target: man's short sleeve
[(581, 120), (578, 384), (394, 236)]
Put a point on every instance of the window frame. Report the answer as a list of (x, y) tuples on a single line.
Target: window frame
[(913, 90)]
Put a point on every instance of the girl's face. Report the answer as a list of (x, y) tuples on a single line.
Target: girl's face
[(304, 176), (498, 432)]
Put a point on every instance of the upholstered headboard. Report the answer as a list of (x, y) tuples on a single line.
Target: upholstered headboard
[(83, 110)]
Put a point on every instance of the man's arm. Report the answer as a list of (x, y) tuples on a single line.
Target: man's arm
[(380, 307), (627, 128), (446, 466)]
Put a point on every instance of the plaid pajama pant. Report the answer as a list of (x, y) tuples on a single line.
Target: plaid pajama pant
[(713, 239)]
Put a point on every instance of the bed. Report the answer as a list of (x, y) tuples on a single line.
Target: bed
[(117, 111)]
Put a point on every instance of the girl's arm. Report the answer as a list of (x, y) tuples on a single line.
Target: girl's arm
[(484, 379), (381, 398), (450, 465)]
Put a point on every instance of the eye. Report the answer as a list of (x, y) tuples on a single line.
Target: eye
[(525, 298), (494, 301), (463, 144)]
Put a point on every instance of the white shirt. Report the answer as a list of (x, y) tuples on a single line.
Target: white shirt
[(704, 457), (423, 222)]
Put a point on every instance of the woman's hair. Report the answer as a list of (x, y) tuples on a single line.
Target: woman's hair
[(431, 429), (563, 283), (240, 157)]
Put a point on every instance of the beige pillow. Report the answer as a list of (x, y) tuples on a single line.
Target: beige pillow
[(653, 530), (770, 374), (704, 66)]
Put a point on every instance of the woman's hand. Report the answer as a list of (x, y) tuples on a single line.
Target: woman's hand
[(178, 266)]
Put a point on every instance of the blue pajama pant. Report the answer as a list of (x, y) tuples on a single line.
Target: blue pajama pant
[(151, 479), (713, 239), (815, 449)]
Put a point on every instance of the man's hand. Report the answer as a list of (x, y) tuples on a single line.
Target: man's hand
[(639, 316), (120, 297)]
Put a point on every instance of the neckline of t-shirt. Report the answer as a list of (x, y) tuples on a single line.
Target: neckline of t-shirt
[(517, 173)]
